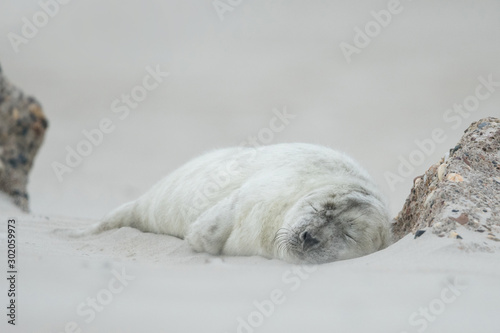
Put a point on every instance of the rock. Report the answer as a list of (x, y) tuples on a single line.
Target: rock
[(454, 177), (419, 233), (454, 234), (22, 129), (462, 219), (492, 237), (463, 189)]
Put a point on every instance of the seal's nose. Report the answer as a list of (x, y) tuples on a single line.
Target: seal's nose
[(308, 240)]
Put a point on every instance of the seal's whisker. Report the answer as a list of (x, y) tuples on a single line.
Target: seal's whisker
[(282, 232), (283, 247), (283, 241)]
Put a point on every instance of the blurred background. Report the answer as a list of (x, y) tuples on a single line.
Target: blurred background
[(230, 64)]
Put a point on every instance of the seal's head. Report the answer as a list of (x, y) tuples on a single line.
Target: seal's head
[(334, 223)]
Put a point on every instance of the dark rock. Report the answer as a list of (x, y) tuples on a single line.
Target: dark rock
[(463, 189), (22, 129), (419, 233)]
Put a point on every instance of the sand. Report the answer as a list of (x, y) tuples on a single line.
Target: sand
[(427, 284)]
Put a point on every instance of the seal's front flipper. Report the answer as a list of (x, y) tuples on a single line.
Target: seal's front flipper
[(211, 230)]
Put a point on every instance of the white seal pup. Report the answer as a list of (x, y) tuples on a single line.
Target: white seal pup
[(301, 203)]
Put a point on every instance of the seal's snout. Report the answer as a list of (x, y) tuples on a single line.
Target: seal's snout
[(308, 241)]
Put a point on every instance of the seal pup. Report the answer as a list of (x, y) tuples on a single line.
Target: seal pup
[(301, 203)]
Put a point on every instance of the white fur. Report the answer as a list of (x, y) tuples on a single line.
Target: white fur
[(234, 201)]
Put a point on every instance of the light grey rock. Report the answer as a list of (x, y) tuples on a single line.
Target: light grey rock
[(22, 129), (463, 189)]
